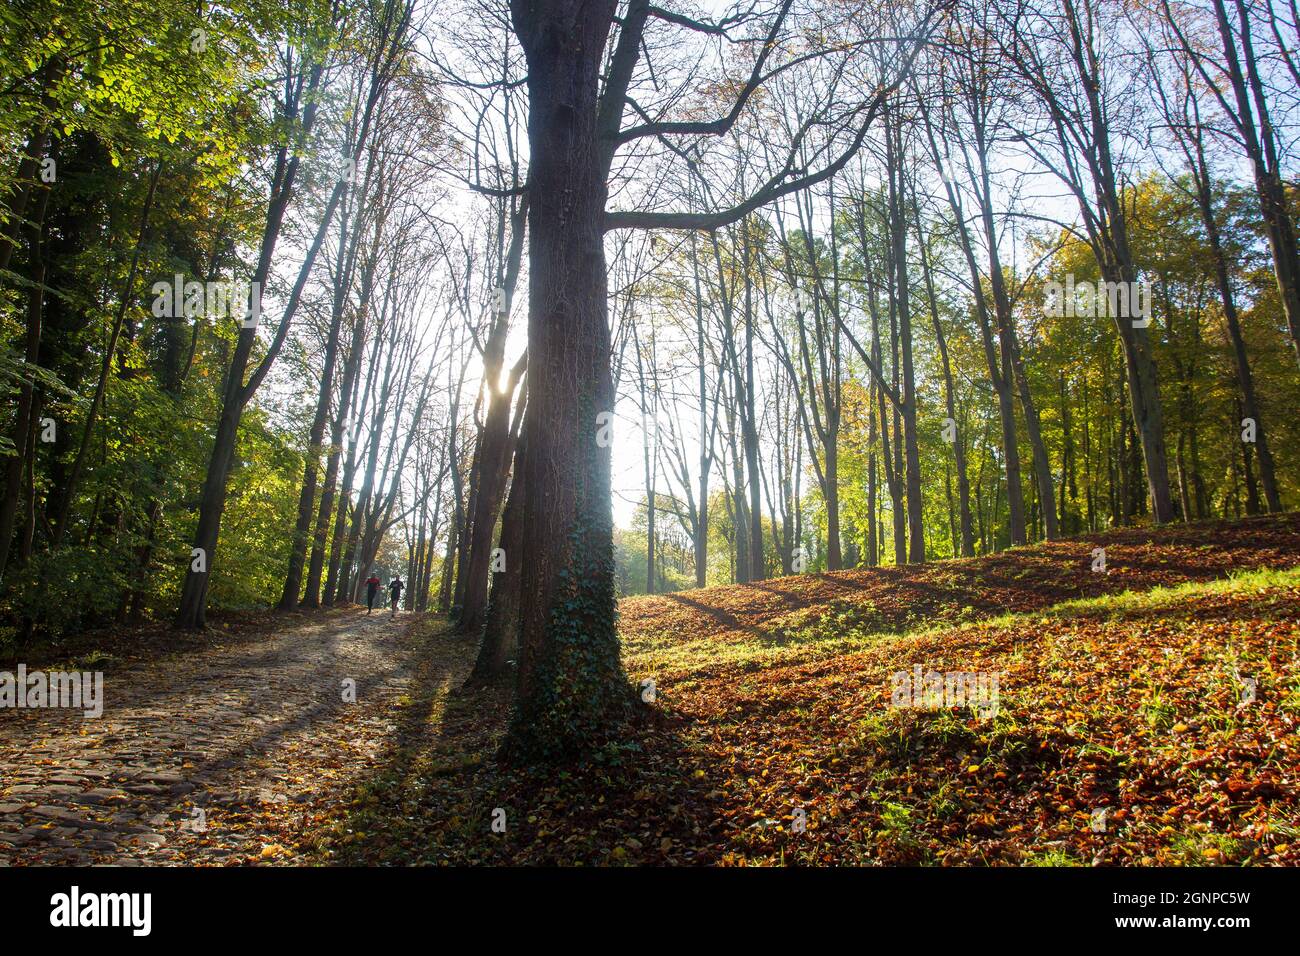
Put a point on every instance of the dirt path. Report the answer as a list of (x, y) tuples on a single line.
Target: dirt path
[(204, 757)]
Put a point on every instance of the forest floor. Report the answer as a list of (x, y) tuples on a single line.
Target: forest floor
[(1147, 714), (208, 753)]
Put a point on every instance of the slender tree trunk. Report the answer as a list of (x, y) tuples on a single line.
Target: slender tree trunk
[(495, 444), (448, 565), (501, 626), (902, 292), (999, 378), (757, 566), (1012, 364), (194, 591), (302, 530), (706, 458), (1245, 379), (337, 573), (351, 374), (740, 513), (966, 546), (1147, 414), (873, 539)]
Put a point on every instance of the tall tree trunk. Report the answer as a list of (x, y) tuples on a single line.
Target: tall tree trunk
[(999, 378), (1144, 400), (496, 439), (1013, 366), (1245, 379), (894, 485), (873, 539), (463, 544), (501, 626), (495, 444), (706, 458), (902, 291), (338, 426), (302, 530), (967, 539), (757, 567), (448, 564), (194, 591), (736, 493), (572, 689)]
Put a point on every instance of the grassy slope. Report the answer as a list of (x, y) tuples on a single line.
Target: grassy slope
[(1119, 691)]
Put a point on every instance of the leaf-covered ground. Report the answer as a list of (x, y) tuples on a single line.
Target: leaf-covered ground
[(224, 749), (1125, 733)]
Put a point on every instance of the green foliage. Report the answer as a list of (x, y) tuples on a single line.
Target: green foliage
[(124, 92), (67, 591)]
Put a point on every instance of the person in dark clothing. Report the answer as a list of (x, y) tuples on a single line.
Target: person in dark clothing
[(372, 590), (395, 591)]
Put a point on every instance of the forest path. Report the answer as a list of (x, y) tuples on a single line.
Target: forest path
[(205, 756)]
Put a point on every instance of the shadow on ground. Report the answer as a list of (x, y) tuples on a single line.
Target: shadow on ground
[(441, 796)]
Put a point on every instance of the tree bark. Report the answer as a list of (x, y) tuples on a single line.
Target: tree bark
[(298, 541), (572, 690), (902, 292), (194, 591), (501, 627), (966, 544), (1245, 379)]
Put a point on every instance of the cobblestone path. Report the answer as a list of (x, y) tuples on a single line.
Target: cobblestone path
[(202, 757)]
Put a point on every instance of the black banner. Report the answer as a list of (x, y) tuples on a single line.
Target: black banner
[(146, 905)]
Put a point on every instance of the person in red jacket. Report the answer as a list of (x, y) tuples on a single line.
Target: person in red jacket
[(372, 589)]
